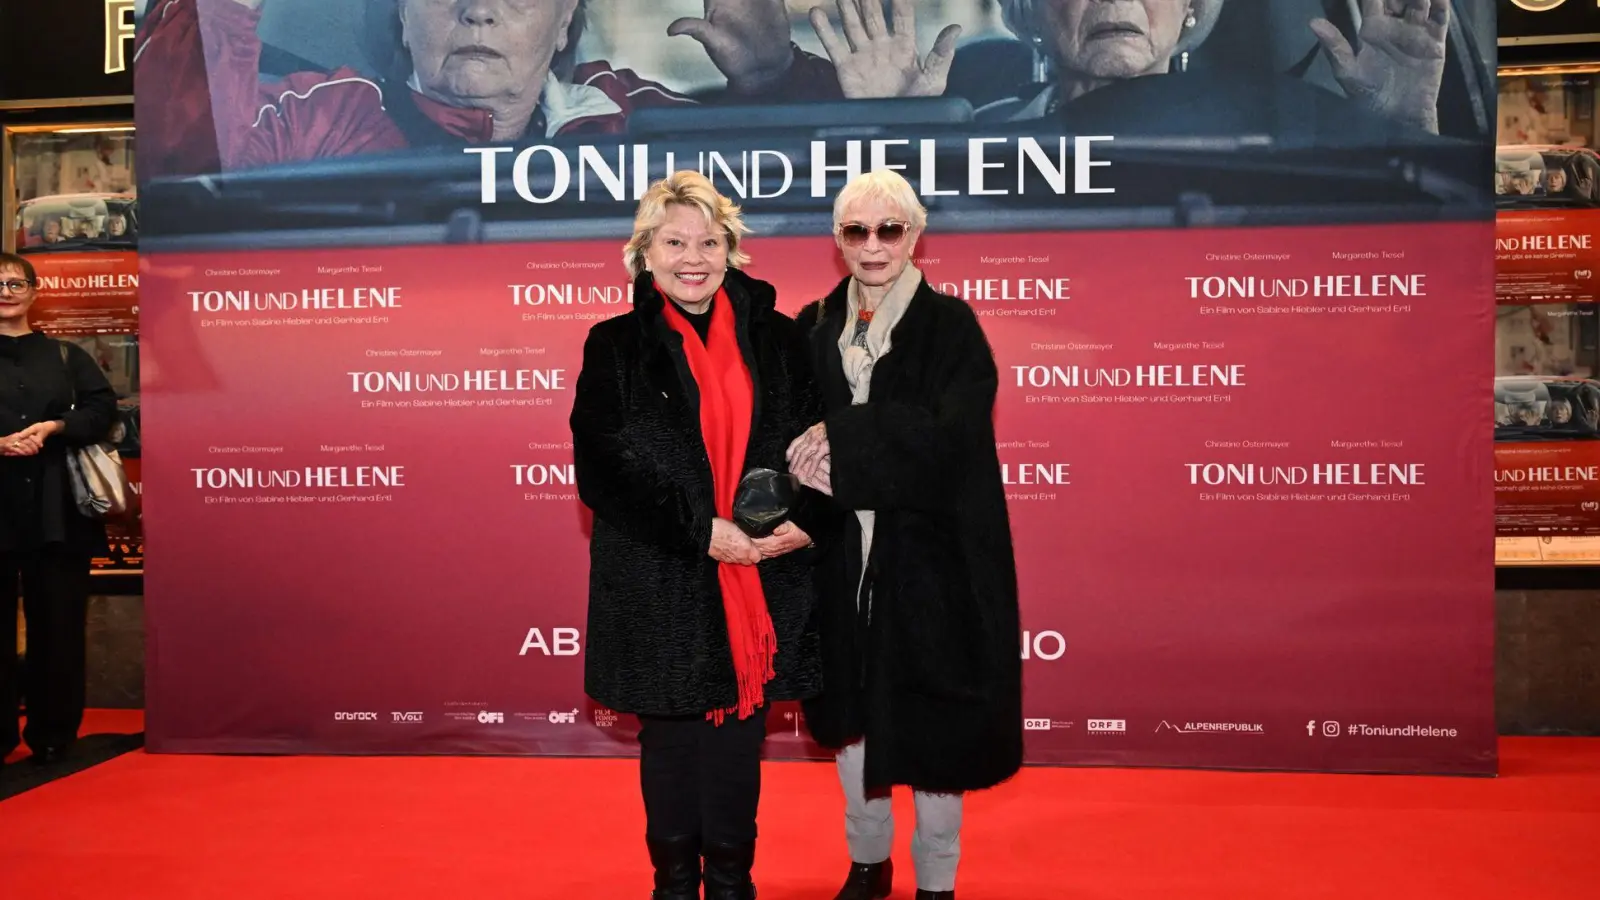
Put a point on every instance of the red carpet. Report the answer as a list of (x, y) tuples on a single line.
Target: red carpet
[(230, 828)]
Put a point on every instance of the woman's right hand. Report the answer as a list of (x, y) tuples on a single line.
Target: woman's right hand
[(731, 545), (877, 59)]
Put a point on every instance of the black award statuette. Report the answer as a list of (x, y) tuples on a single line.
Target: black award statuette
[(764, 500)]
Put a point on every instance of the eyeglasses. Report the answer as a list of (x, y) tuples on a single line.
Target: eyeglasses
[(16, 287), (889, 233)]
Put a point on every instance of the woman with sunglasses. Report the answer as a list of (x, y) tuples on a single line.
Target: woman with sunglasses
[(921, 643)]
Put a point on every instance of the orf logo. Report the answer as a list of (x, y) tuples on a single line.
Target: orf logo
[(491, 718), (1035, 724), (1108, 726)]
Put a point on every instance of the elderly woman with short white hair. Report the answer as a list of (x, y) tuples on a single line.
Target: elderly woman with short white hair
[(1394, 69), (921, 639), (696, 624)]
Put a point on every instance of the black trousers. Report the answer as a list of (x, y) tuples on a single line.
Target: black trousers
[(702, 779), (55, 600)]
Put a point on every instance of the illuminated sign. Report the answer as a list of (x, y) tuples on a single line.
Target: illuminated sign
[(119, 34), (1542, 5)]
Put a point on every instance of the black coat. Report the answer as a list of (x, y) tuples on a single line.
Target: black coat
[(657, 641), (934, 680), (37, 507)]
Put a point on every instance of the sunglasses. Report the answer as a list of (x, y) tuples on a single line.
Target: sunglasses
[(889, 233)]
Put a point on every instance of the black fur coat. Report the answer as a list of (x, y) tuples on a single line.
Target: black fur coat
[(933, 680), (657, 639)]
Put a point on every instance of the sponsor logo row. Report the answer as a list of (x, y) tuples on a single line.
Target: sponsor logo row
[(1313, 728), (603, 718)]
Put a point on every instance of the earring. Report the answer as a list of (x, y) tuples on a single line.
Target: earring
[(1183, 61), (1189, 22)]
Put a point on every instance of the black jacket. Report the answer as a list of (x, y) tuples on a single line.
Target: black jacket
[(657, 640), (36, 385), (933, 678)]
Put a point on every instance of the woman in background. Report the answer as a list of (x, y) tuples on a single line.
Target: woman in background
[(45, 543)]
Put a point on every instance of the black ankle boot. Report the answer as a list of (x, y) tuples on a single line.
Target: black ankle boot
[(728, 870), (868, 881), (677, 864), (935, 895)]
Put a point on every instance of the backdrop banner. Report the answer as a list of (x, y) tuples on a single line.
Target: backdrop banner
[(1239, 309)]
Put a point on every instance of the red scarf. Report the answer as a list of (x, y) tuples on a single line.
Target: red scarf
[(727, 402)]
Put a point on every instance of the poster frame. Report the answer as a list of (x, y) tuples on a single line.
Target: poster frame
[(1588, 66)]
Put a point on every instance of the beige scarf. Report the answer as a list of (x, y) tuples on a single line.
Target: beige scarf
[(859, 362)]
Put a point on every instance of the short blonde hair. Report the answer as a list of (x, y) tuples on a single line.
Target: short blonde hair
[(887, 185), (688, 188)]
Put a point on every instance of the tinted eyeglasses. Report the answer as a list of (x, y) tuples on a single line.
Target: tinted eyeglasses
[(889, 233)]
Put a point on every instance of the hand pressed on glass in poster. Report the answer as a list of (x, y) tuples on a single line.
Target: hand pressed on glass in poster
[(731, 545), (747, 40), (785, 538), (875, 59), (29, 441), (1400, 66)]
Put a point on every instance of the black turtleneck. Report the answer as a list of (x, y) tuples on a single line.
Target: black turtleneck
[(700, 321)]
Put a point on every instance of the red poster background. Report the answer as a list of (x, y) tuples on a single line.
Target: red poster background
[(1313, 626), (87, 293)]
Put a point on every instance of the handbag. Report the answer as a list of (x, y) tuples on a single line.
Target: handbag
[(764, 500), (99, 481)]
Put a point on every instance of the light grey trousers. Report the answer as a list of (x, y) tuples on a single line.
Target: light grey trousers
[(869, 825)]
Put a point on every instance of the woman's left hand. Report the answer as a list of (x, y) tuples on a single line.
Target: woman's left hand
[(1400, 66), (747, 40), (786, 538), (29, 441)]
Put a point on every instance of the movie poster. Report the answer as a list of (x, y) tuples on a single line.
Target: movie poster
[(77, 222), (1547, 343), (1234, 306)]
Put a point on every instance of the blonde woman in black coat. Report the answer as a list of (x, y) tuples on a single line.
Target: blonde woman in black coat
[(921, 642), (45, 543), (693, 625)]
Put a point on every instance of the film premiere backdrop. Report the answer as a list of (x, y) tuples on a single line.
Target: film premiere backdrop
[(1239, 321), (70, 203)]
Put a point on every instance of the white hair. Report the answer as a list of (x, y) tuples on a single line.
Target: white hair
[(883, 184)]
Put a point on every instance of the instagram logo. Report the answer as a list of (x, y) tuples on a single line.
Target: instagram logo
[(1330, 729)]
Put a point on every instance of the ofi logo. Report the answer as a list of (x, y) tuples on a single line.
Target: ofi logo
[(355, 717), (564, 718), (1046, 645), (562, 642), (491, 718)]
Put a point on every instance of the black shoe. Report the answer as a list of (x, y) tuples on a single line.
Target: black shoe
[(48, 756), (677, 864), (935, 895), (727, 871), (868, 881)]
